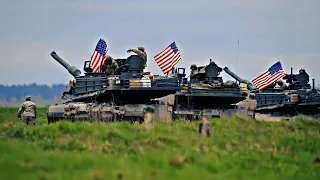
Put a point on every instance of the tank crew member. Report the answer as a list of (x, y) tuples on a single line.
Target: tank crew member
[(194, 70), (281, 84), (141, 52), (302, 70), (28, 110), (109, 65)]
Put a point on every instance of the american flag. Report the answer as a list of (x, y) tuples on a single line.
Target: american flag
[(270, 76), (98, 56), (168, 58)]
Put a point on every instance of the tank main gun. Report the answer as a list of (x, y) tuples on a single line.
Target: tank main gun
[(71, 69), (250, 85)]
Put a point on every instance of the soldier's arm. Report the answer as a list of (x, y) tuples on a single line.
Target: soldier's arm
[(35, 110), (115, 65), (19, 112), (137, 51)]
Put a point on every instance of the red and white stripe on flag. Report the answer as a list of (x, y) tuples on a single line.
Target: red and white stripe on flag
[(268, 77), (98, 56), (168, 58)]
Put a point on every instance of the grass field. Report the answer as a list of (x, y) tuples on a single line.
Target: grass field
[(237, 149)]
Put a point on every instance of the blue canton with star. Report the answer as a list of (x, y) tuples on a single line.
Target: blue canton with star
[(101, 47), (174, 47), (275, 68)]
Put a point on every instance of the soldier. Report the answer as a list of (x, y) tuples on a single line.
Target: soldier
[(302, 70), (251, 106), (148, 118), (194, 70), (109, 65), (205, 127), (29, 112), (141, 52), (281, 84)]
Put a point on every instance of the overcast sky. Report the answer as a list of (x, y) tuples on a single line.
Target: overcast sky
[(268, 30)]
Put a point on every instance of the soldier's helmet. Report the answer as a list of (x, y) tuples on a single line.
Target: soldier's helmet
[(141, 48), (279, 82), (193, 67), (252, 95), (302, 70), (28, 98)]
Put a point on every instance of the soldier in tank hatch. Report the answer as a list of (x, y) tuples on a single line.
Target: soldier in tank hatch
[(28, 110), (141, 52), (109, 65), (194, 70)]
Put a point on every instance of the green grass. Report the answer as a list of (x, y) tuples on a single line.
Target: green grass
[(237, 149)]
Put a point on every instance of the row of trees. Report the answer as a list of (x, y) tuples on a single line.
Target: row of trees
[(14, 95)]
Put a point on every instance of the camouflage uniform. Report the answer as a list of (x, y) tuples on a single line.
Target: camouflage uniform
[(194, 70), (28, 110), (109, 65), (205, 127), (251, 106), (141, 52)]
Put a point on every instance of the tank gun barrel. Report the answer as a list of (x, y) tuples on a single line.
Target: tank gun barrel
[(250, 85), (71, 69)]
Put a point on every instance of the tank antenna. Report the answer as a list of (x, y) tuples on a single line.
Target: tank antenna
[(237, 57)]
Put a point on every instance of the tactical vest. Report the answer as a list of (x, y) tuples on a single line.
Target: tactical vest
[(28, 109)]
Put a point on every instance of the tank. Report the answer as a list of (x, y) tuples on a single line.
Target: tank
[(207, 95), (291, 96), (129, 92)]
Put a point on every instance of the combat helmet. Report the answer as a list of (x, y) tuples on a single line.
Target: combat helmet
[(302, 70), (28, 98), (193, 67), (141, 48), (252, 96)]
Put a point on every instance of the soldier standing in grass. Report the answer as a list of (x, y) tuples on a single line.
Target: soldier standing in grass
[(28, 110), (205, 127), (251, 106)]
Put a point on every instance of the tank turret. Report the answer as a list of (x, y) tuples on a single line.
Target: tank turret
[(71, 69), (298, 81), (250, 85)]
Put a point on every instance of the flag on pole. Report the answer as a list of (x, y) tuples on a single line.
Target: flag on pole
[(98, 56), (168, 58), (270, 76)]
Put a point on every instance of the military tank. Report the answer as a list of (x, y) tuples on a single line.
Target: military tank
[(207, 95), (130, 92), (297, 97), (294, 98)]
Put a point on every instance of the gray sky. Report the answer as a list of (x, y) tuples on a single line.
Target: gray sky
[(267, 30)]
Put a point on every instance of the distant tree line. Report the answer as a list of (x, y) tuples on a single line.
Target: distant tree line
[(14, 95), (43, 95)]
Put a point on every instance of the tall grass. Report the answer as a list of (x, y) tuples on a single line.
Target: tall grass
[(237, 149)]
